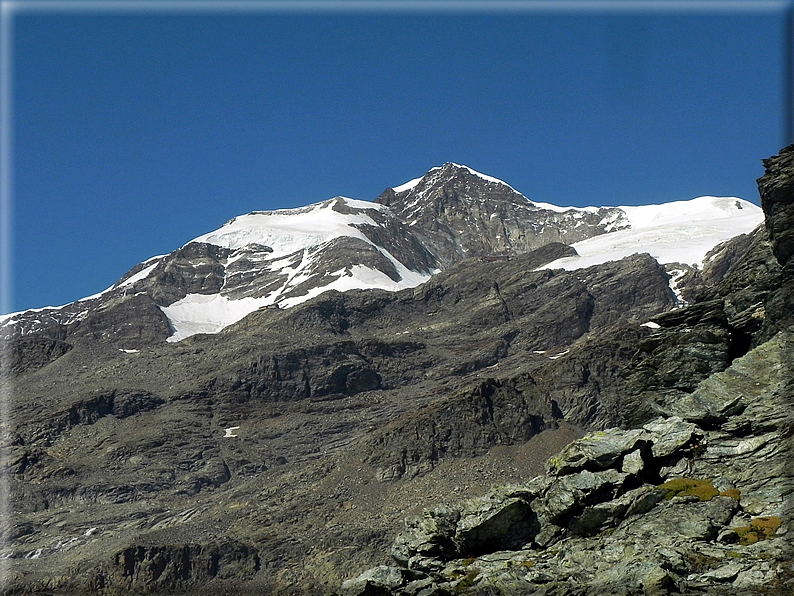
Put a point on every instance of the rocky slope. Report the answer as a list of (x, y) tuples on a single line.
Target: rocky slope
[(281, 454), (692, 495)]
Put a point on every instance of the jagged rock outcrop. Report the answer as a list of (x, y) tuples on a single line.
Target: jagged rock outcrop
[(163, 569), (776, 188), (751, 302), (458, 213)]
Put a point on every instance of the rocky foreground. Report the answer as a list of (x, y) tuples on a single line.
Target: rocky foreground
[(674, 506)]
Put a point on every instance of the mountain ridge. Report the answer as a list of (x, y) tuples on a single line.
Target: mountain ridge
[(410, 232)]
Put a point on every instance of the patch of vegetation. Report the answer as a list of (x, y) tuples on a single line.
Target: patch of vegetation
[(735, 554), (734, 493), (702, 489), (467, 582), (554, 463), (468, 561), (760, 528), (700, 563)]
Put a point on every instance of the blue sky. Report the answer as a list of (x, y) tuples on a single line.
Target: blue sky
[(134, 132)]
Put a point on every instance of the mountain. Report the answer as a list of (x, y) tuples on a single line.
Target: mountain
[(457, 213), (529, 420), (285, 257)]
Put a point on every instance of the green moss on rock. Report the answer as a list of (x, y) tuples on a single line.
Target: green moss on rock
[(702, 489), (760, 528), (733, 493)]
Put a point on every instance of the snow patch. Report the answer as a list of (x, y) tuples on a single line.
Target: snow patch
[(677, 232), (287, 231), (558, 209), (359, 277), (208, 313), (408, 185), (211, 313), (142, 274), (676, 276)]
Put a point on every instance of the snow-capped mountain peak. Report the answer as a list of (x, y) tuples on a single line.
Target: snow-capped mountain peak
[(444, 171), (284, 257)]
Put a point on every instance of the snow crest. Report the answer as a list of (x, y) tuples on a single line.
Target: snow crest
[(676, 232), (289, 230)]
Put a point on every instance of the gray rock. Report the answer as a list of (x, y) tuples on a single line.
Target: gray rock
[(419, 587), (596, 451), (642, 500), (669, 435), (776, 189), (380, 580), (751, 579), (726, 572), (568, 493), (611, 513), (633, 463), (495, 522), (684, 520), (428, 537)]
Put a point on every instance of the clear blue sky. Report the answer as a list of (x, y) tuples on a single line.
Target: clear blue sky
[(135, 132)]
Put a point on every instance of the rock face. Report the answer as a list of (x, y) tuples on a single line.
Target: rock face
[(777, 199), (281, 455), (458, 213)]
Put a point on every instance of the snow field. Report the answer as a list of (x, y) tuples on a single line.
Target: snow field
[(678, 232)]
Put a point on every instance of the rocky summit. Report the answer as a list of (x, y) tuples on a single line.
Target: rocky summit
[(449, 390)]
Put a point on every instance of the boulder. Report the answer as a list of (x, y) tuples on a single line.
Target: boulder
[(378, 581), (427, 537), (666, 436), (633, 463), (498, 521), (611, 513), (597, 451), (570, 494)]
